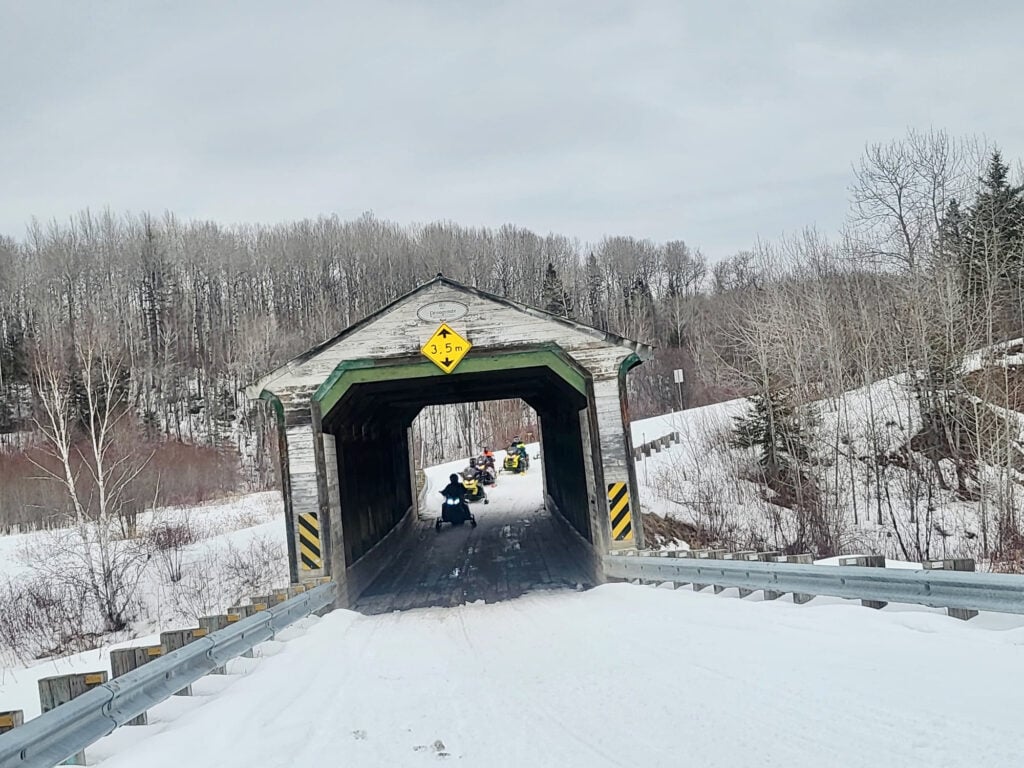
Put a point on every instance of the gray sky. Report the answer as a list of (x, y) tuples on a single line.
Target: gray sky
[(713, 122)]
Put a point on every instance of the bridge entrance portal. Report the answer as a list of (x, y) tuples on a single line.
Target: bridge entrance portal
[(345, 410)]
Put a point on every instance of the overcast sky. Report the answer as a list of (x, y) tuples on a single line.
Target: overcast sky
[(713, 122)]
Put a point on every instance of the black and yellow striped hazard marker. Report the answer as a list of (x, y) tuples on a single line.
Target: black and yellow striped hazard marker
[(310, 552), (618, 509)]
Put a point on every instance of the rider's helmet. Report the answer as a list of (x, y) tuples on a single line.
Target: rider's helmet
[(472, 461), (454, 478)]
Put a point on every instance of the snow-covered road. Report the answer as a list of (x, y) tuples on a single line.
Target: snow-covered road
[(617, 676), (620, 675)]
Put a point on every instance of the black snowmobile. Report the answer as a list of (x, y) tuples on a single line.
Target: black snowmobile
[(455, 509)]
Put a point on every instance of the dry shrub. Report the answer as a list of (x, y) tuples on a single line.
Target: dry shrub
[(172, 536), (257, 568), (220, 579), (169, 541), (41, 617), (181, 474), (28, 502), (175, 474), (1002, 385), (199, 592)]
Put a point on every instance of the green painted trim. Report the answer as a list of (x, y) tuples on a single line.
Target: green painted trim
[(365, 370), (631, 362), (274, 401)]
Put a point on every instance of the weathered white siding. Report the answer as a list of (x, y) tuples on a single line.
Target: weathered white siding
[(615, 460), (305, 493), (487, 324)]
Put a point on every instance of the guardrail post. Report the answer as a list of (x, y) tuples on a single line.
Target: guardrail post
[(212, 624), (765, 557), (866, 561), (179, 638), (798, 598), (261, 602), (237, 612), (652, 582), (705, 554), (953, 564), (124, 660), (54, 691), (734, 556), (684, 553), (12, 719)]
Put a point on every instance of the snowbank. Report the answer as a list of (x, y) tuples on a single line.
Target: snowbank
[(709, 681)]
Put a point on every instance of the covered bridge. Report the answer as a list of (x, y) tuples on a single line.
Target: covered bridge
[(345, 408)]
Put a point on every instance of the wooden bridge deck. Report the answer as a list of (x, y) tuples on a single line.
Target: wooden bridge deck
[(509, 553)]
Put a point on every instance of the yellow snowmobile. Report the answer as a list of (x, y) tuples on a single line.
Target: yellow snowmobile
[(474, 490), (516, 461)]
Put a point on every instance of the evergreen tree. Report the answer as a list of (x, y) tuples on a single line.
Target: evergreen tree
[(950, 242), (992, 242), (595, 291), (773, 426), (557, 300)]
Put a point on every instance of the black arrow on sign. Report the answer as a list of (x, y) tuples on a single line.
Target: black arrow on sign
[(446, 362), (444, 333)]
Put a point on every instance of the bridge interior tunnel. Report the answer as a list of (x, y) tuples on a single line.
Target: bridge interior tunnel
[(370, 424)]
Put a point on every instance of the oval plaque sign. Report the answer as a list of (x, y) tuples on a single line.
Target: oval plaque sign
[(442, 311)]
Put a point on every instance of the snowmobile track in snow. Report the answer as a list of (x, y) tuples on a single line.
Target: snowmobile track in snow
[(517, 547)]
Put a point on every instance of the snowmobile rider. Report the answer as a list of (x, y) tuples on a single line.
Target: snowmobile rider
[(455, 489), (518, 446)]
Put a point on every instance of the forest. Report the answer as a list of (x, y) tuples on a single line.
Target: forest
[(125, 339)]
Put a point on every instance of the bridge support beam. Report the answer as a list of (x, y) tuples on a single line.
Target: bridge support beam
[(618, 487)]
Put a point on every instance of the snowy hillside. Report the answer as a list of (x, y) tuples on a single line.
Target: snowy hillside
[(188, 562), (877, 488)]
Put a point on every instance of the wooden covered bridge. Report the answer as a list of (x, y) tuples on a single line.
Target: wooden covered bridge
[(345, 409)]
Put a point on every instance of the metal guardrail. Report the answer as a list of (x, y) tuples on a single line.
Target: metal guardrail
[(656, 445), (56, 735), (998, 592)]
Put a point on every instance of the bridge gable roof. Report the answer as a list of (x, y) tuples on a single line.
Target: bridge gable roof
[(488, 321)]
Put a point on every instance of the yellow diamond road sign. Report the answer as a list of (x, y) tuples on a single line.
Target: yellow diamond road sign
[(446, 348)]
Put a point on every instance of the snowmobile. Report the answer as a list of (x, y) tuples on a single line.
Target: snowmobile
[(516, 462), (486, 473), (456, 512), (487, 460), (474, 490)]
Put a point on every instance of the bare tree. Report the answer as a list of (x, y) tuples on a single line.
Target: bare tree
[(79, 420), (900, 194)]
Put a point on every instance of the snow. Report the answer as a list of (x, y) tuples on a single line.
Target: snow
[(902, 564), (619, 675), (245, 529), (706, 482)]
